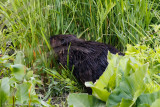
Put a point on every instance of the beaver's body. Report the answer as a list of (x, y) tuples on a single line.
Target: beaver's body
[(89, 58)]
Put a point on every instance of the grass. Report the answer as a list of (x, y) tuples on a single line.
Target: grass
[(106, 21), (30, 23)]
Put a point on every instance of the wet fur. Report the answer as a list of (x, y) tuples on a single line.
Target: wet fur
[(89, 58)]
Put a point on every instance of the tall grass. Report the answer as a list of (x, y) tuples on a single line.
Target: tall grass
[(117, 22)]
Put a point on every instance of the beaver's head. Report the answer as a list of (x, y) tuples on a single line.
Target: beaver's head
[(62, 40)]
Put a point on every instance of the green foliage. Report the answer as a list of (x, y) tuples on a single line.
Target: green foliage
[(149, 99), (4, 91), (146, 54), (23, 93), (126, 81), (18, 71), (27, 25), (19, 87), (64, 82), (3, 97), (84, 100)]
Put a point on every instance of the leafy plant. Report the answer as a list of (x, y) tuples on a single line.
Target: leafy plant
[(19, 87), (84, 100), (26, 25), (124, 82)]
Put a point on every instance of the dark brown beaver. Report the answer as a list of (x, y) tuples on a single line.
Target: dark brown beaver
[(89, 58)]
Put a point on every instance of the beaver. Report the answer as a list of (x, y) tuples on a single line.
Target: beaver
[(89, 58)]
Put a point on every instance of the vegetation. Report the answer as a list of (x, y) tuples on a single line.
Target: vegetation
[(128, 81), (28, 75)]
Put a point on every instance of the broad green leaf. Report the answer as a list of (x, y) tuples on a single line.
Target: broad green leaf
[(130, 87), (19, 58), (144, 105), (149, 99), (156, 103), (5, 86), (84, 100), (29, 75), (18, 71), (3, 97), (125, 103), (122, 82), (99, 88), (22, 93), (121, 92)]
